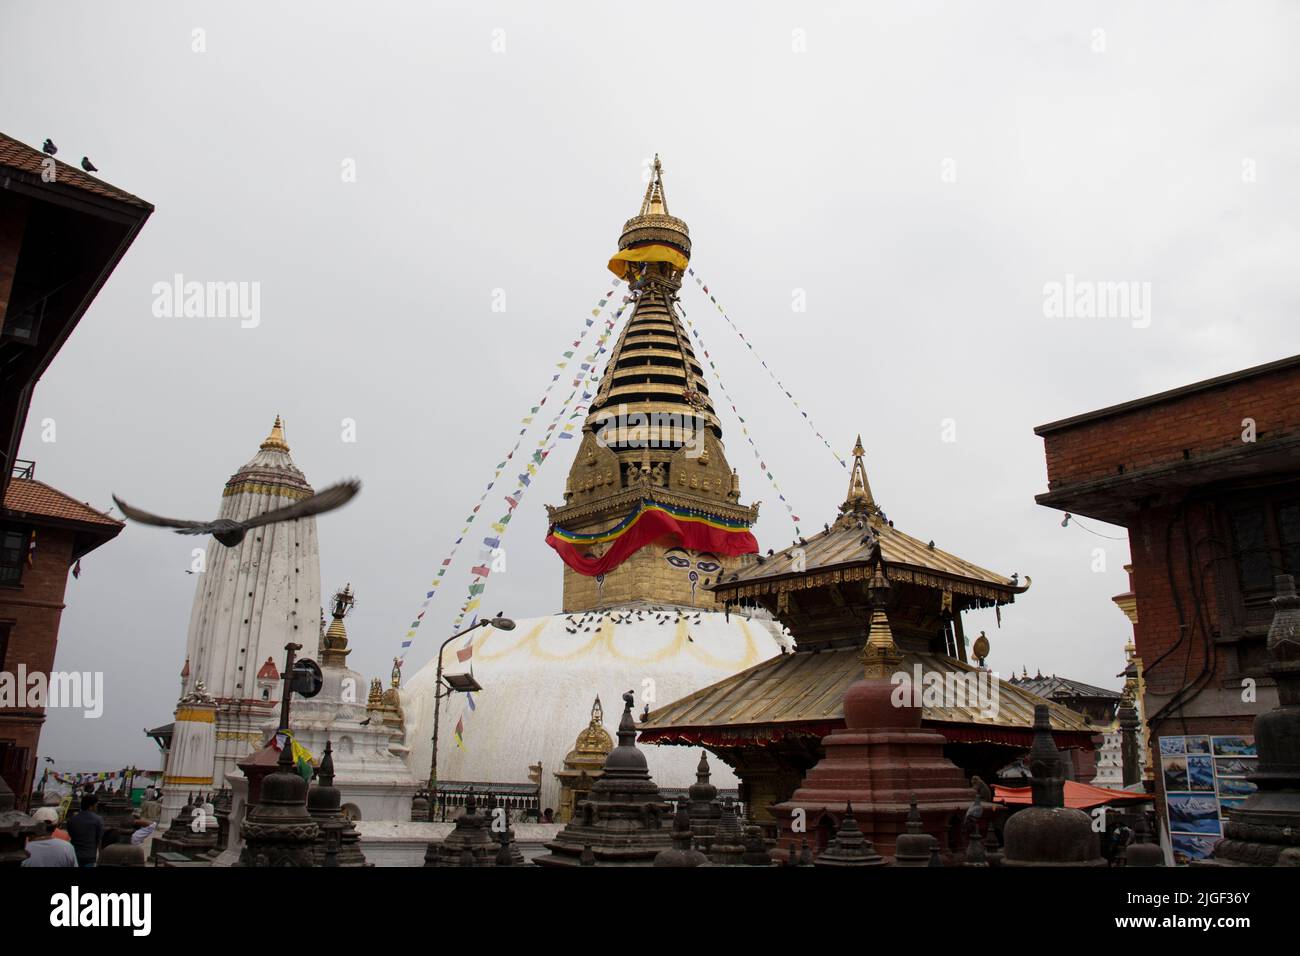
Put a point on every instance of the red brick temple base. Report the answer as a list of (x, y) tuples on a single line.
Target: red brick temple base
[(878, 762)]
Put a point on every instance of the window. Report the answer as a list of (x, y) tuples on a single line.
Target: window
[(4, 643), (13, 554), (1265, 540), (1251, 546)]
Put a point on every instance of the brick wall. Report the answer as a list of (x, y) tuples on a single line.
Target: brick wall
[(33, 610), (1196, 423)]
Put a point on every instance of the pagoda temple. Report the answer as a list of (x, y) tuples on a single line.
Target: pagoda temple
[(768, 722)]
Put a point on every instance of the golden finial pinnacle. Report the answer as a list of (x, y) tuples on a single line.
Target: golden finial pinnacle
[(860, 500), (276, 438), (655, 202)]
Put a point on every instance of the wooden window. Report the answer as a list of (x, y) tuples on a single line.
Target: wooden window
[(1265, 536), (13, 554)]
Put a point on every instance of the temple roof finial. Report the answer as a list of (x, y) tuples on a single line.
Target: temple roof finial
[(276, 438), (860, 499), (880, 656)]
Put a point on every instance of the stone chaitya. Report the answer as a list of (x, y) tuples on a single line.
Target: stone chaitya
[(338, 843), (192, 832), (914, 847), (470, 842), (624, 821), (704, 809), (682, 853), (1265, 830), (278, 830), (850, 846), (728, 845), (1049, 833)]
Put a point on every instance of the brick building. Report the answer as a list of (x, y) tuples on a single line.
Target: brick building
[(1206, 478), (62, 233), (43, 533)]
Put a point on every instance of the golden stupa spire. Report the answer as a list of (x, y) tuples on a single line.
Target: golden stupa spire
[(880, 656), (860, 499), (276, 438), (655, 202)]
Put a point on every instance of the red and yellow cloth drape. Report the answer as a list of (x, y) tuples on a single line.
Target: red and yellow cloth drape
[(647, 522)]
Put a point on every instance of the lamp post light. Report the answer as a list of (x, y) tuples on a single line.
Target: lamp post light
[(456, 683)]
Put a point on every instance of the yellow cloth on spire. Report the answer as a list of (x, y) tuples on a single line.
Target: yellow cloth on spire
[(653, 252)]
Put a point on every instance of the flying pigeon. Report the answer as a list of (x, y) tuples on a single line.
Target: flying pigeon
[(88, 166), (230, 533), (49, 148)]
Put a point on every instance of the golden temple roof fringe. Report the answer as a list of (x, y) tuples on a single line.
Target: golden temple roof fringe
[(807, 687)]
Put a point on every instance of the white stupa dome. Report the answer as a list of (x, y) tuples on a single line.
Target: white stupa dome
[(539, 681)]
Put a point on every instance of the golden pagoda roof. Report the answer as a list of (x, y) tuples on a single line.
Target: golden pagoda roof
[(843, 552), (804, 693)]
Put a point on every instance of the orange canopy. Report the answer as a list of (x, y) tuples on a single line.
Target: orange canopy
[(1078, 796)]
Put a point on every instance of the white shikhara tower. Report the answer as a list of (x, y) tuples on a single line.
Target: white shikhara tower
[(253, 599)]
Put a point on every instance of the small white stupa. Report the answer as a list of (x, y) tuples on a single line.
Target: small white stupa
[(370, 767)]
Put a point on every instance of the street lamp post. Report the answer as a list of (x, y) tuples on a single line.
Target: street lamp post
[(441, 689)]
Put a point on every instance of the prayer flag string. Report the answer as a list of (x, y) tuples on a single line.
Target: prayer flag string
[(762, 462), (526, 422), (555, 432), (749, 345)]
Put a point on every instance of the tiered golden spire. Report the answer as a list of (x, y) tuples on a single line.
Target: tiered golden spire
[(859, 500), (655, 202), (880, 656), (275, 440), (334, 646)]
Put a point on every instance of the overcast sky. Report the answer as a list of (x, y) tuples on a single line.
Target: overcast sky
[(919, 172)]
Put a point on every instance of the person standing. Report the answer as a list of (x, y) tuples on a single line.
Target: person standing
[(87, 831), (45, 849)]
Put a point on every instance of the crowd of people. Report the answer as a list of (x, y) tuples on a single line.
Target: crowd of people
[(83, 840)]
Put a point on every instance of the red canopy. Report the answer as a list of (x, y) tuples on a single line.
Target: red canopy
[(1078, 796)]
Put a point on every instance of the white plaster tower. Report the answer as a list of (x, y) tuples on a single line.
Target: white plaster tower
[(253, 599)]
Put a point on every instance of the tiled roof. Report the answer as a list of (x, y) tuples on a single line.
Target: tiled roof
[(808, 688), (29, 496), (22, 157), (844, 545), (1053, 687)]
